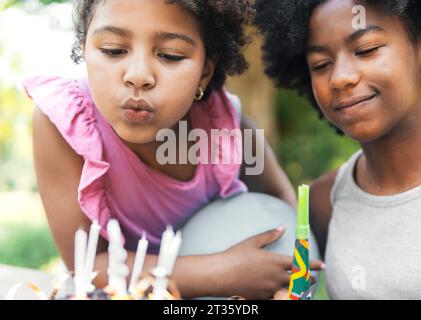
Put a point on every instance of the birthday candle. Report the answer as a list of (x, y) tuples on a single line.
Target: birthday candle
[(299, 288), (142, 248), (173, 252), (80, 253), (91, 254), (117, 255), (168, 253), (160, 272), (161, 283), (167, 238)]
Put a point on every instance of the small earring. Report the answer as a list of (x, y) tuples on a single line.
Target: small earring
[(199, 94)]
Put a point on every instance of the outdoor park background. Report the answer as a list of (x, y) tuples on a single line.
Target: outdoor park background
[(35, 37)]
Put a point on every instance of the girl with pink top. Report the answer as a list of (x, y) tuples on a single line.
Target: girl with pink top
[(150, 65)]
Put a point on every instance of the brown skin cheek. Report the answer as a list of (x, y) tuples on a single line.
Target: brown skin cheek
[(170, 110), (100, 89), (390, 71), (394, 76), (175, 84), (381, 73)]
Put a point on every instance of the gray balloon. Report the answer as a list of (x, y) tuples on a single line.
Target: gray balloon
[(226, 222)]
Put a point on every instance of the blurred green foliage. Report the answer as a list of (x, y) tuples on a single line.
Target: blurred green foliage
[(309, 146), (26, 245), (25, 239)]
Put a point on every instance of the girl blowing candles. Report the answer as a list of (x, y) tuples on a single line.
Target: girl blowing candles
[(151, 64)]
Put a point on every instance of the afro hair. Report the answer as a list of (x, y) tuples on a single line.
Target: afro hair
[(223, 26), (285, 27)]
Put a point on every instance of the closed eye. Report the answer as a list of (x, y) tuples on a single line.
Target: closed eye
[(113, 52), (171, 57), (367, 52), (320, 66)]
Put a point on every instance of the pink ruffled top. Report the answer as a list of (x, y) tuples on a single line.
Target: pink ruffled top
[(114, 182)]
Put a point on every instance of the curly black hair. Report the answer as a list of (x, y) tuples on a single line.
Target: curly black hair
[(285, 27), (223, 25)]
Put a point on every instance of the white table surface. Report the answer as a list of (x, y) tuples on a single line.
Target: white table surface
[(10, 275)]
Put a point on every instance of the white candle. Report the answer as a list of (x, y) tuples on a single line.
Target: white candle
[(80, 253), (160, 284), (139, 261), (173, 253), (117, 255), (168, 253), (91, 254), (167, 238)]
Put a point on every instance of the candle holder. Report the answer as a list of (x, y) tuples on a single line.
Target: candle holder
[(148, 286)]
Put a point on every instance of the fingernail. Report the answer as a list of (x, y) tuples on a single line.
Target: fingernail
[(281, 228), (323, 266)]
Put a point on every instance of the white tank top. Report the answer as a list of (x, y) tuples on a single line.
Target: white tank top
[(374, 242)]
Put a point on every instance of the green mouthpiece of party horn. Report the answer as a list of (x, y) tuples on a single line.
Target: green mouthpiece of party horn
[(303, 226)]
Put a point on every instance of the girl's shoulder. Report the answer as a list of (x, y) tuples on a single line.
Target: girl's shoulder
[(344, 177), (328, 185), (68, 105), (58, 95), (76, 164), (321, 190), (321, 206), (324, 191)]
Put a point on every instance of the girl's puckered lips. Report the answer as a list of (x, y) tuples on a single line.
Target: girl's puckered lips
[(137, 110), (137, 104)]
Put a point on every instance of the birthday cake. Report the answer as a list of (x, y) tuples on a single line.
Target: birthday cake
[(203, 234), (155, 284)]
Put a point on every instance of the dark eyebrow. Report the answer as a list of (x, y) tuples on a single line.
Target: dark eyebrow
[(116, 30), (172, 35), (359, 33), (316, 49), (349, 39)]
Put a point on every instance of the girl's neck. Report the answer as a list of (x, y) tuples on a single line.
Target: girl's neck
[(146, 152), (392, 164)]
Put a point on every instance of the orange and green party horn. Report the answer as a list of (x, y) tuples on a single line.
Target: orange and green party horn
[(299, 287)]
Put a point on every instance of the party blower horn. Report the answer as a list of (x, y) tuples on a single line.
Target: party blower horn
[(299, 287)]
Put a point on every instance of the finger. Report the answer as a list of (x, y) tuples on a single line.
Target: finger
[(285, 280), (266, 238), (317, 265), (286, 262), (281, 294), (281, 278)]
